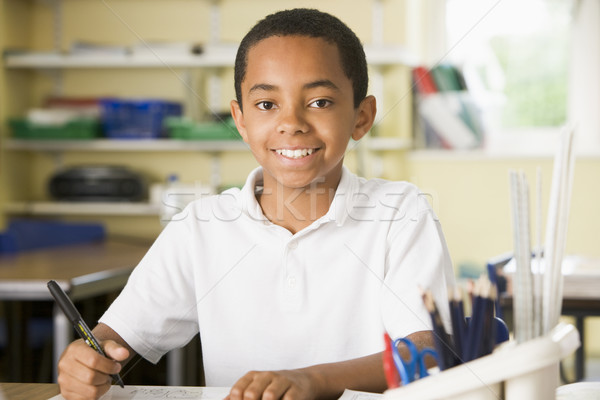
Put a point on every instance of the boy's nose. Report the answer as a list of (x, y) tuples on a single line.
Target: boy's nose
[(292, 121)]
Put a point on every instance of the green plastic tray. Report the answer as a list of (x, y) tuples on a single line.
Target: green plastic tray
[(184, 128), (75, 129)]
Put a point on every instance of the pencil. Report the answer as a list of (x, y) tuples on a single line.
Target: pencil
[(474, 335), (443, 344), (458, 324)]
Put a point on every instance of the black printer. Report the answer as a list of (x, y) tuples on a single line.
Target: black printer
[(98, 183)]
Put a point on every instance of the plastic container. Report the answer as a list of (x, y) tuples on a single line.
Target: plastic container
[(136, 119), (186, 129), (23, 235), (529, 371), (579, 391), (173, 196), (83, 128)]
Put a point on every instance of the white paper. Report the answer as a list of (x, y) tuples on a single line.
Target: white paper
[(162, 392), (196, 393)]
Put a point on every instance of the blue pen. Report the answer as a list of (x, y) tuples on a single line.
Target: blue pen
[(79, 324)]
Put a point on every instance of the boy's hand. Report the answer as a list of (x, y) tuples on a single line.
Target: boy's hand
[(273, 385), (85, 374)]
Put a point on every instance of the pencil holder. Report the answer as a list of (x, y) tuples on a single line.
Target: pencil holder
[(513, 371)]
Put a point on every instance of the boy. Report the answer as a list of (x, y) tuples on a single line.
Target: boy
[(296, 276)]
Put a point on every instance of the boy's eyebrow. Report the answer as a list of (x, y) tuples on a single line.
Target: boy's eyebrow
[(262, 86), (310, 85), (321, 83)]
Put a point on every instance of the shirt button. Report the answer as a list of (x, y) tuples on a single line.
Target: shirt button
[(293, 244), (291, 282)]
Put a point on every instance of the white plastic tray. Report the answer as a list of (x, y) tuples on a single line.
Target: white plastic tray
[(513, 372)]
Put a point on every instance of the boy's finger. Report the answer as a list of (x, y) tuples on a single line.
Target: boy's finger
[(88, 376), (115, 351), (277, 388), (260, 382), (72, 388), (238, 389), (93, 360)]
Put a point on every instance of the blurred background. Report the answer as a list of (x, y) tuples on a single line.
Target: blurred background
[(115, 113)]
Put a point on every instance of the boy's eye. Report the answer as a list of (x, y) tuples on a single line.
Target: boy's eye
[(265, 105), (321, 103)]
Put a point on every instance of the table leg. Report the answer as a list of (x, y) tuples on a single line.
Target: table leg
[(175, 367), (580, 353), (62, 336), (16, 338)]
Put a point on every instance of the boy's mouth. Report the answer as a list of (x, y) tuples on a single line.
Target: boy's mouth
[(295, 153)]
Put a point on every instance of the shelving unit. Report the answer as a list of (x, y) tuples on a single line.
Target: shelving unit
[(154, 146), (215, 58)]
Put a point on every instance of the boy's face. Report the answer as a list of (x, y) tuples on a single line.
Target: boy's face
[(299, 113)]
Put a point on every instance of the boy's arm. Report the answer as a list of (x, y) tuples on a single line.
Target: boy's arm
[(325, 381), (85, 374)]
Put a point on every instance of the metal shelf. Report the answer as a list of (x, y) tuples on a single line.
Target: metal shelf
[(174, 145), (116, 145), (81, 208), (222, 58), (215, 57), (383, 143)]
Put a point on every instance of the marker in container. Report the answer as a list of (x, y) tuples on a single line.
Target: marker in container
[(79, 324)]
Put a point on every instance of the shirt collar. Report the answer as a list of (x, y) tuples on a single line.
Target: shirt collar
[(338, 210), (249, 204)]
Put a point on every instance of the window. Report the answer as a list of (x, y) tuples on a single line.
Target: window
[(515, 59)]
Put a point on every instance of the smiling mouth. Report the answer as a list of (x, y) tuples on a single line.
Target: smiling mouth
[(297, 153)]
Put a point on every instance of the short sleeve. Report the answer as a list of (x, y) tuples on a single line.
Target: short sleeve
[(417, 261), (156, 311)]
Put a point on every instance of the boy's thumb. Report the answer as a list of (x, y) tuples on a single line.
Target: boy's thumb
[(115, 351)]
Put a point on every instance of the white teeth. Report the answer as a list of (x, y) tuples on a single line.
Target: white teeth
[(298, 153)]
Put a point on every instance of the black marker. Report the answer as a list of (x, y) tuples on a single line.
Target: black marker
[(78, 323)]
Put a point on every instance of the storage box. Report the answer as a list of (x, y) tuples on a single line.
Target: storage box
[(136, 119), (528, 370), (185, 128), (82, 128), (24, 235)]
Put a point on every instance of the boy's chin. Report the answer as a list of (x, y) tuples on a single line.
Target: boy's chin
[(304, 181)]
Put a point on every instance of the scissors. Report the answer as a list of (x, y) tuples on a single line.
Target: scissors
[(414, 368)]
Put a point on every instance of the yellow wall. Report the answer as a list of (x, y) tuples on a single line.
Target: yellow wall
[(32, 25), (470, 195), (469, 192)]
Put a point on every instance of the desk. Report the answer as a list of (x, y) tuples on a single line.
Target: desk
[(579, 308), (28, 391), (83, 271)]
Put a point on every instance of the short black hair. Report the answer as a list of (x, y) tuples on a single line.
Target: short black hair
[(311, 23)]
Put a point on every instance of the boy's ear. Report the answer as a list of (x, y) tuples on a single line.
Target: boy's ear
[(365, 117), (238, 118)]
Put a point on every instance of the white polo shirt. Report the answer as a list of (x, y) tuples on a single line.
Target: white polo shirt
[(263, 298)]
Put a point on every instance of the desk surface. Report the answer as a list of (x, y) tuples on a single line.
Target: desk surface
[(82, 270), (44, 391), (28, 391), (586, 306)]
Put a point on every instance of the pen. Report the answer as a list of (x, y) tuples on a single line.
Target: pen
[(79, 324)]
